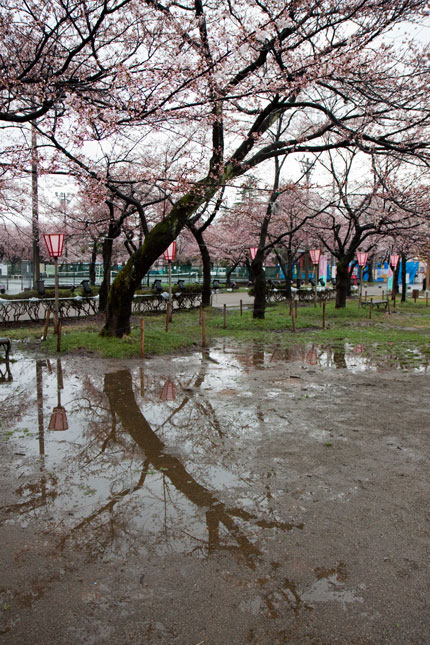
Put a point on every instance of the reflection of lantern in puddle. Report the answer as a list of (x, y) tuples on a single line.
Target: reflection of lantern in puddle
[(358, 349), (311, 357), (58, 420), (168, 391)]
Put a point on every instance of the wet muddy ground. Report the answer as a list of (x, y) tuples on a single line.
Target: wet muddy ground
[(240, 496)]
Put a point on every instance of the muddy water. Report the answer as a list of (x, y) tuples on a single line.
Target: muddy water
[(242, 495)]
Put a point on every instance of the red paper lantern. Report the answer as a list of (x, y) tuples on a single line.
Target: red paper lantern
[(253, 251), (54, 243), (394, 260), (362, 258), (315, 256), (170, 252)]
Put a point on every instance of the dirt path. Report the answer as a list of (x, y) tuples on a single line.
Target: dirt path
[(232, 498)]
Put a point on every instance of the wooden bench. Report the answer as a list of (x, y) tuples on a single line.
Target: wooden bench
[(6, 344), (376, 303)]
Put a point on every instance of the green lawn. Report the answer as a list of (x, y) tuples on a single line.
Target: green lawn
[(406, 330)]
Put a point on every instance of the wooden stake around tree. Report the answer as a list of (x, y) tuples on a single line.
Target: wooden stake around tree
[(225, 316), (371, 308), (241, 308), (142, 337), (293, 319), (167, 316), (427, 298), (45, 329)]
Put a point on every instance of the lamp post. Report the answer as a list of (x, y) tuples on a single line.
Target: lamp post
[(362, 261), (55, 243), (315, 259), (169, 256)]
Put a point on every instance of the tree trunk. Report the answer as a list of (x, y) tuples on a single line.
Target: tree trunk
[(228, 274), (395, 289), (120, 298), (259, 286), (93, 264), (342, 282), (287, 270), (107, 259), (206, 264), (404, 284)]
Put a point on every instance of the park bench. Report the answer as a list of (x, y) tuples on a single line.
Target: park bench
[(376, 303), (6, 345)]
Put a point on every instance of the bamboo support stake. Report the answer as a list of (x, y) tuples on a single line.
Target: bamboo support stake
[(203, 329), (296, 307), (59, 326), (323, 315), (293, 321), (241, 308), (365, 295), (142, 337), (370, 308), (167, 316), (225, 316), (45, 329)]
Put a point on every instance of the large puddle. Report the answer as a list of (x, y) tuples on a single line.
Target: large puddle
[(190, 456)]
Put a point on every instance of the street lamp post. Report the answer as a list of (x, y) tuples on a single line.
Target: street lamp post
[(362, 261), (315, 259), (55, 243), (169, 256)]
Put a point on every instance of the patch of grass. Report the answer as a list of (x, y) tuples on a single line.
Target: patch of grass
[(402, 336)]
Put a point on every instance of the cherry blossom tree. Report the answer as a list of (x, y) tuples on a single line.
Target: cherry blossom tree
[(233, 70), (361, 211)]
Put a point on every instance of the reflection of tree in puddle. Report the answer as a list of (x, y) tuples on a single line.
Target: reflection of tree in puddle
[(127, 517), (119, 389)]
